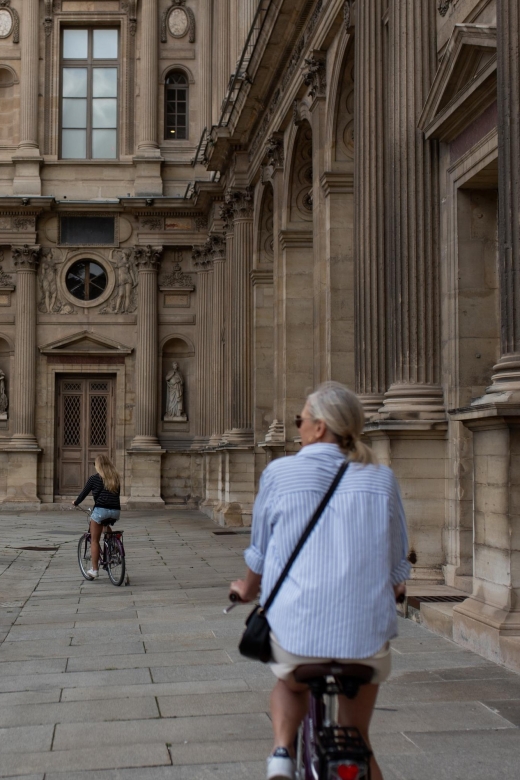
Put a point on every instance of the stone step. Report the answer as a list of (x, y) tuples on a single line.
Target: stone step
[(438, 617)]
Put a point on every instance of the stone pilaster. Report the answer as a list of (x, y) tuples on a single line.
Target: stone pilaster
[(369, 157), (507, 376), (203, 262), (147, 260), (413, 260), (148, 159), (229, 232), (26, 261), (206, 67), (217, 339), (222, 41), (241, 331), (27, 158)]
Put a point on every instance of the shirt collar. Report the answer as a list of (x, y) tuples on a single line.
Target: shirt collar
[(321, 448)]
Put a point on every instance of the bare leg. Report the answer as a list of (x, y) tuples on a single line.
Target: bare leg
[(358, 712), (95, 536), (289, 705)]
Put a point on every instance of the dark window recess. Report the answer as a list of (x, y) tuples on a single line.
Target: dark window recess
[(86, 280), (78, 231), (176, 107)]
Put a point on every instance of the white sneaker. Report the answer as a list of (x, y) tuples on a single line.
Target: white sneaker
[(93, 574), (280, 766)]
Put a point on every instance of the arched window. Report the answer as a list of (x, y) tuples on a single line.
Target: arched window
[(176, 106)]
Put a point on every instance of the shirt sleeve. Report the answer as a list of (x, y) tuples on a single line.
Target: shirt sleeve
[(260, 532), (399, 538), (86, 490)]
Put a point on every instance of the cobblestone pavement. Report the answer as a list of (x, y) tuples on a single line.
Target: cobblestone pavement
[(145, 682)]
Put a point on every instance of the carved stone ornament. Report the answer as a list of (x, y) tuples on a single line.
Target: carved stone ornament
[(6, 280), (23, 223), (349, 11), (314, 75), (178, 21), (9, 21), (274, 151), (26, 257), (148, 258), (176, 278), (47, 19), (201, 223), (226, 215), (242, 202), (296, 116), (130, 7), (202, 259), (152, 223), (50, 301), (124, 298), (443, 6)]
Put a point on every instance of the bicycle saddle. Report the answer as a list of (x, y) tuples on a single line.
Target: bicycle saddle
[(334, 669)]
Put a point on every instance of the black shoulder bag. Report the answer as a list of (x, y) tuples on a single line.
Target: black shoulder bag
[(256, 641)]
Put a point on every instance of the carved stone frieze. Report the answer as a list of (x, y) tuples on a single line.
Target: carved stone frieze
[(152, 223), (50, 301), (124, 298), (201, 223), (26, 257), (178, 21), (23, 223), (314, 74), (6, 280)]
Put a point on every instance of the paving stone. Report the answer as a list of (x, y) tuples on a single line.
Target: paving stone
[(249, 770), (74, 680), (206, 688), (216, 704), (436, 716), (78, 712), (134, 661), (61, 761), (25, 739)]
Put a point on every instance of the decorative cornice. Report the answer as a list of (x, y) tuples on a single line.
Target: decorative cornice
[(314, 74), (26, 257), (148, 258)]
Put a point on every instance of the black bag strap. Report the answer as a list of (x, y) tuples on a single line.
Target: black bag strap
[(312, 522)]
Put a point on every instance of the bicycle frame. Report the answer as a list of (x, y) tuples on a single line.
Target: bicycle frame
[(103, 543)]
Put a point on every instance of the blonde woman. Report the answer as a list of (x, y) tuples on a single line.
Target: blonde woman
[(338, 602), (105, 487)]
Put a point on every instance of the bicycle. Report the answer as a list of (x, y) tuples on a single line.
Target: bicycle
[(112, 557)]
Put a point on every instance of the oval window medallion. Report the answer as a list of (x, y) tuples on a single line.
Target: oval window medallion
[(178, 22), (6, 23)]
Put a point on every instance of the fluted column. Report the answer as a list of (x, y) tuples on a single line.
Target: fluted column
[(217, 339), (147, 260), (206, 65), (203, 262), (369, 239), (413, 259), (26, 261), (148, 137), (226, 214), (507, 375), (222, 38), (241, 328), (29, 46)]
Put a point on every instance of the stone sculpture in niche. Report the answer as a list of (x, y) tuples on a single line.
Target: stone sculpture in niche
[(49, 299), (4, 401), (175, 396)]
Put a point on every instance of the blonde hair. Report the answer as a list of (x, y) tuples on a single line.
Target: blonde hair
[(108, 473), (341, 411)]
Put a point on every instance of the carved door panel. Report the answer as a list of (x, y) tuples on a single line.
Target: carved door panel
[(84, 429)]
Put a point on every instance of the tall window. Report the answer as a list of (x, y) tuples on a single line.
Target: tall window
[(89, 86), (176, 106)]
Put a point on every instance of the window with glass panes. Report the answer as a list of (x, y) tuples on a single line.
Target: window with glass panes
[(89, 94), (176, 106)]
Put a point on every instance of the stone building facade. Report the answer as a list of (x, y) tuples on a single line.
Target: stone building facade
[(210, 206)]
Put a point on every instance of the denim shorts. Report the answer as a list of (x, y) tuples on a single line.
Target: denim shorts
[(105, 516)]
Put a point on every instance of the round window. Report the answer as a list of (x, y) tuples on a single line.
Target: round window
[(86, 280)]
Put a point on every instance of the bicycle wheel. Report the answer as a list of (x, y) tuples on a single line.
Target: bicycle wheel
[(84, 555), (116, 566)]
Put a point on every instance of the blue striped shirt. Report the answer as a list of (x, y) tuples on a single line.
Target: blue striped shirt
[(338, 599)]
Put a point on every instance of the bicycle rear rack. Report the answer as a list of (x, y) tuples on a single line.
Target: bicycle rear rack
[(338, 743)]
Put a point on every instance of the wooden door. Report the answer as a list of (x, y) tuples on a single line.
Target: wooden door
[(85, 418)]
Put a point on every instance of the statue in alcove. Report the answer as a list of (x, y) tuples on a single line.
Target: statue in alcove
[(4, 401), (175, 396)]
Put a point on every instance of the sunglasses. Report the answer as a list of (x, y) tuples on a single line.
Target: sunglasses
[(298, 420)]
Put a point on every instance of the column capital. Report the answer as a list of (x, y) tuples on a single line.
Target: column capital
[(148, 258), (314, 74), (202, 259), (226, 215), (26, 258), (242, 203)]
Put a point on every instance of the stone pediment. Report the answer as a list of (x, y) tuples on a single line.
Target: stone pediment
[(85, 342), (465, 83)]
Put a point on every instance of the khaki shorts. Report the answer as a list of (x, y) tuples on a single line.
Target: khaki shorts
[(285, 663)]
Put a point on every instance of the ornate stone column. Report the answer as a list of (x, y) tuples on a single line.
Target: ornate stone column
[(148, 159), (203, 262), (415, 392), (26, 261), (369, 207), (217, 338), (147, 260), (241, 331), (27, 158)]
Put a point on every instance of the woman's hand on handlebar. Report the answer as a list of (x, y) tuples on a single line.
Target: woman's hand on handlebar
[(238, 591), (400, 592)]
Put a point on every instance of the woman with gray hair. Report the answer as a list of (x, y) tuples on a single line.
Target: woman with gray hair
[(338, 601)]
